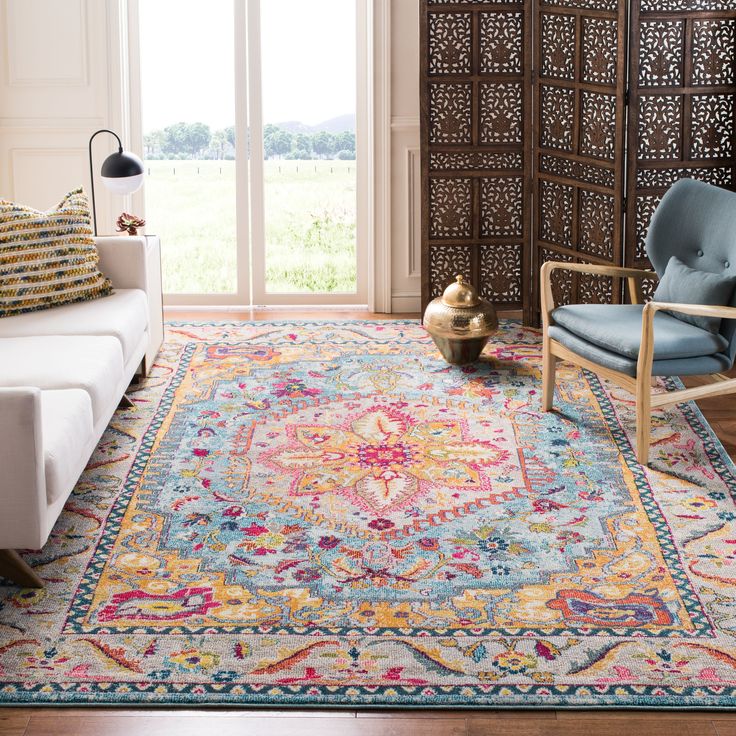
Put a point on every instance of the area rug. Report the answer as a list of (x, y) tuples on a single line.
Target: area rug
[(328, 514)]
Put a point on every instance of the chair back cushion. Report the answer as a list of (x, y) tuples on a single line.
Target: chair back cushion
[(683, 284), (696, 222)]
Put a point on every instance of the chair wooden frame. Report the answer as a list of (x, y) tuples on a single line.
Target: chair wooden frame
[(640, 386)]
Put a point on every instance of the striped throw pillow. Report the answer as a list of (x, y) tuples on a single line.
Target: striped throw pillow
[(48, 258)]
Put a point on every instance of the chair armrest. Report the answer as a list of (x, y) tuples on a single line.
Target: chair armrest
[(618, 271), (22, 482), (697, 310), (548, 303), (123, 260), (646, 349)]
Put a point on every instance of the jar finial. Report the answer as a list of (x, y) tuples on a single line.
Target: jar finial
[(461, 294)]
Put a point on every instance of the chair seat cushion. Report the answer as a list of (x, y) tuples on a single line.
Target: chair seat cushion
[(698, 366), (617, 328), (123, 315), (66, 420), (94, 364)]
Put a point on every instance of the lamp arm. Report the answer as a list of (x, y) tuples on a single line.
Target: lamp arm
[(92, 173)]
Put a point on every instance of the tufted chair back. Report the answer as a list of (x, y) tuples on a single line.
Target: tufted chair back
[(697, 223)]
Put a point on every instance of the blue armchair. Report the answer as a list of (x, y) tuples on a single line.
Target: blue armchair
[(631, 343)]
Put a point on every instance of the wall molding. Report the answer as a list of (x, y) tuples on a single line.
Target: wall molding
[(413, 218), (402, 122), (27, 164), (12, 37), (49, 125), (403, 303)]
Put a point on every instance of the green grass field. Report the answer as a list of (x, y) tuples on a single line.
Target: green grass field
[(310, 225)]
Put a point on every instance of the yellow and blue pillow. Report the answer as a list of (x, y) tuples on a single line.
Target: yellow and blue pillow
[(48, 258)]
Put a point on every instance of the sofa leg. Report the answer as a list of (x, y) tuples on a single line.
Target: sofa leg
[(17, 570), (125, 402), (140, 373)]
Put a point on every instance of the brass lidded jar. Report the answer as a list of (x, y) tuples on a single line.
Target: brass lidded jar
[(460, 322)]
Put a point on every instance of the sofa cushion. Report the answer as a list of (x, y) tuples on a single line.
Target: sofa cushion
[(94, 364), (618, 328), (123, 315), (66, 421), (48, 258)]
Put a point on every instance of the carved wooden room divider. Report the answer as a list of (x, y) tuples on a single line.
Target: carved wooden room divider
[(682, 115), (476, 144), (563, 152)]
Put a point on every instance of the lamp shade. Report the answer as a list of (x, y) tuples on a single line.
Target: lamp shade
[(122, 172)]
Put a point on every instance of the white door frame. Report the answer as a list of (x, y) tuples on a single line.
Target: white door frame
[(363, 164), (242, 296), (373, 144)]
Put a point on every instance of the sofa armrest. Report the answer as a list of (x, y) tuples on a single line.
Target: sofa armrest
[(22, 481), (123, 260), (134, 262)]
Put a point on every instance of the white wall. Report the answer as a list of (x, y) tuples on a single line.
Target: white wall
[(56, 72), (61, 79)]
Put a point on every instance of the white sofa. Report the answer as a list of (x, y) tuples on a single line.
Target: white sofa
[(63, 372)]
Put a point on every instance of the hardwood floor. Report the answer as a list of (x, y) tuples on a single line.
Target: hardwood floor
[(300, 723), (720, 412), (109, 722)]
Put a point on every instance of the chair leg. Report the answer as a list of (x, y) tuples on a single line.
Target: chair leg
[(16, 569), (643, 419), (549, 366)]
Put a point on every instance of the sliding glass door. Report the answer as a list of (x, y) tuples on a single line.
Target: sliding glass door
[(305, 59), (187, 60), (254, 118)]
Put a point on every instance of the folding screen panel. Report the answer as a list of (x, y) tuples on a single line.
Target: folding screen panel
[(579, 103), (529, 159), (476, 140), (682, 118)]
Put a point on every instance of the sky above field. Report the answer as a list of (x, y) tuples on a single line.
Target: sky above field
[(187, 61)]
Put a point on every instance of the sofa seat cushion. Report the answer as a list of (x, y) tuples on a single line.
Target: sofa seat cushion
[(94, 364), (617, 328), (67, 426), (123, 315)]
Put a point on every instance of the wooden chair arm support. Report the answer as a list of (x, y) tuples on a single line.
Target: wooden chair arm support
[(646, 349), (634, 275), (697, 310), (617, 271)]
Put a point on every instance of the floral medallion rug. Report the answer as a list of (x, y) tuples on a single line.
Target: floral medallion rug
[(328, 514)]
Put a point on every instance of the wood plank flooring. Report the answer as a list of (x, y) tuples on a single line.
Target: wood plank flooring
[(720, 412)]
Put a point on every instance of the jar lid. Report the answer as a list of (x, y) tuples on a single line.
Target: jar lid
[(460, 295)]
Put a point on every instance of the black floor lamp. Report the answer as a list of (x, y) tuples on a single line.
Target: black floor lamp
[(122, 172)]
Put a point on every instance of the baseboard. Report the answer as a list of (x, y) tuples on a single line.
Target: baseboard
[(401, 303)]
